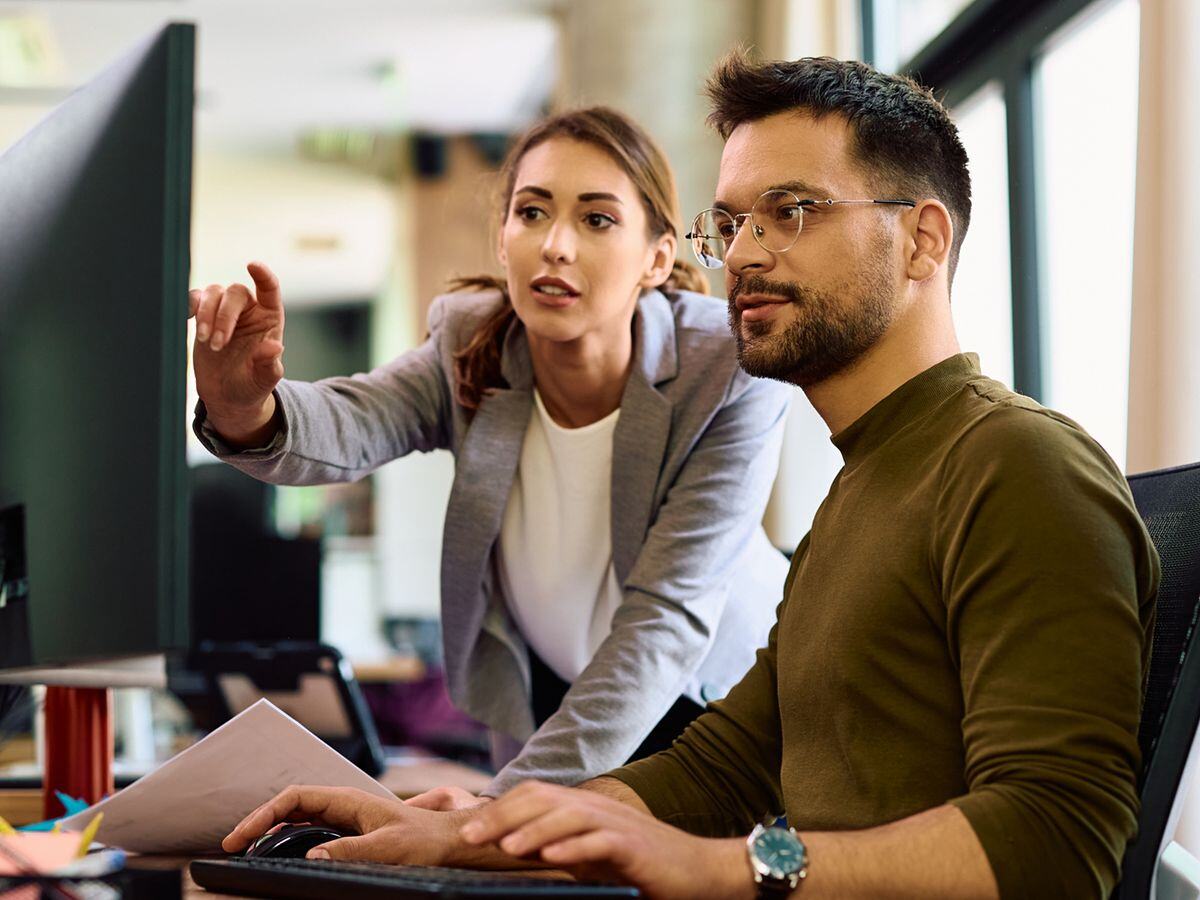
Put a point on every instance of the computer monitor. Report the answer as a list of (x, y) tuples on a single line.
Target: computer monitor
[(94, 256)]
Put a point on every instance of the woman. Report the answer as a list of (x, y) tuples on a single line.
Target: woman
[(604, 572)]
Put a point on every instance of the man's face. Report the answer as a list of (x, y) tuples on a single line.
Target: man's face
[(810, 312)]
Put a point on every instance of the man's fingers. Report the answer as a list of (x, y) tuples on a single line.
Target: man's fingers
[(520, 805), (334, 806), (591, 848), (193, 302), (266, 284), (557, 824), (349, 848), (260, 821), (234, 301)]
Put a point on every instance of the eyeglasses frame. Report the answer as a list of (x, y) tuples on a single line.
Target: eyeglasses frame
[(739, 219)]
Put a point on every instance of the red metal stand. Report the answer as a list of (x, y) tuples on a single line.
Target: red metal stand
[(79, 746)]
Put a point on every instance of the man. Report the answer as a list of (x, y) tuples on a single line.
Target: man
[(948, 704)]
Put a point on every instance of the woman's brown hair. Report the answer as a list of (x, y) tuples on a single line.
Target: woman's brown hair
[(477, 365)]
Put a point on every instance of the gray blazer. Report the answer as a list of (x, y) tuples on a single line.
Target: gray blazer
[(695, 452)]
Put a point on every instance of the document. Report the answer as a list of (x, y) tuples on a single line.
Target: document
[(192, 801)]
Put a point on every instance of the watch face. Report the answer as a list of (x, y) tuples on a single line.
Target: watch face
[(780, 851)]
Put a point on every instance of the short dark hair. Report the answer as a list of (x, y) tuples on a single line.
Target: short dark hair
[(903, 136)]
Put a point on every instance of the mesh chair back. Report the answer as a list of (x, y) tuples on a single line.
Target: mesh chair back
[(1169, 503)]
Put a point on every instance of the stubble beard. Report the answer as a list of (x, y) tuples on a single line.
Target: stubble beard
[(825, 337)]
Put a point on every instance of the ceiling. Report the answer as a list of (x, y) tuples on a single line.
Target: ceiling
[(269, 71)]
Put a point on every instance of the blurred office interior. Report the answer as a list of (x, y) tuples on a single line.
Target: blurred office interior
[(351, 144)]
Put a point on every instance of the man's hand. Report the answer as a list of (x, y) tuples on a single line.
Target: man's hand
[(596, 837), (388, 830)]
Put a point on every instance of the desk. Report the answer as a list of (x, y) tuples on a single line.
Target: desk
[(21, 806), (401, 669), (418, 776), (174, 862)]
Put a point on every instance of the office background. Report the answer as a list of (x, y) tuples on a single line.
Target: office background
[(350, 146)]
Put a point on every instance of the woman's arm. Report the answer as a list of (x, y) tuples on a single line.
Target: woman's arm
[(340, 429), (674, 596)]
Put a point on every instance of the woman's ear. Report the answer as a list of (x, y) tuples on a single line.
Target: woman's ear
[(930, 240), (661, 260)]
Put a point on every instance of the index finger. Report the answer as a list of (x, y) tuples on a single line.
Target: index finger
[(333, 806), (266, 285)]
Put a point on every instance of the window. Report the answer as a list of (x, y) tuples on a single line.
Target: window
[(1045, 95), (1086, 85), (903, 27), (981, 296)]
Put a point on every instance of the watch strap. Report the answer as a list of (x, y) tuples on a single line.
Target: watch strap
[(772, 889)]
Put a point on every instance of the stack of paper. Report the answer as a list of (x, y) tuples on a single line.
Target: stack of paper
[(192, 801)]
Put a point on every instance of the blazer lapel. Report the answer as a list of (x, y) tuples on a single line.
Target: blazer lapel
[(642, 431), (484, 470)]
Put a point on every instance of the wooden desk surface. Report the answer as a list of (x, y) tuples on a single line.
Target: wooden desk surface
[(419, 775), (173, 862), (398, 669), (22, 806)]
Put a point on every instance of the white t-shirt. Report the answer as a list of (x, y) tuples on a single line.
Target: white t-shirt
[(556, 540)]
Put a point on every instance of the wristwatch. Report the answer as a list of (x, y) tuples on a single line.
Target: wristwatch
[(777, 859)]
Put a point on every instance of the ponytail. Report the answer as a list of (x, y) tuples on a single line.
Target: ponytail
[(686, 277), (477, 365)]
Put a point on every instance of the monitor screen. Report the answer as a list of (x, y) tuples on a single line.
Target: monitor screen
[(94, 255)]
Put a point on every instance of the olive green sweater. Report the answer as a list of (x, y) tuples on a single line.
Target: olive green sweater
[(967, 622)]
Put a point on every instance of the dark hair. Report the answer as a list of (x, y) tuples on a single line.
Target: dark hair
[(477, 365), (903, 136)]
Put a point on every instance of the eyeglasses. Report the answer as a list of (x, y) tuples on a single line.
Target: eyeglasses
[(776, 219)]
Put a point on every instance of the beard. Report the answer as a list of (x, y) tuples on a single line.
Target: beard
[(828, 334)]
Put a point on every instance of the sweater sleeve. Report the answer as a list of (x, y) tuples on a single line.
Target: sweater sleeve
[(1048, 576), (722, 775)]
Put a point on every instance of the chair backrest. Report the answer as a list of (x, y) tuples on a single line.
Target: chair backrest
[(1169, 503)]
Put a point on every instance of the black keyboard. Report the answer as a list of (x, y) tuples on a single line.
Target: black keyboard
[(323, 879)]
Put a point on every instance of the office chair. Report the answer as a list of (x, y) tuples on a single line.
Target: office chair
[(1169, 502)]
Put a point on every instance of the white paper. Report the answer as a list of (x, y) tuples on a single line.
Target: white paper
[(191, 802)]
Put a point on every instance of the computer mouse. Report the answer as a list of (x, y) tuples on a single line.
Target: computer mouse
[(293, 841)]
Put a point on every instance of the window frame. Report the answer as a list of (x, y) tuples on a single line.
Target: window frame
[(1003, 40)]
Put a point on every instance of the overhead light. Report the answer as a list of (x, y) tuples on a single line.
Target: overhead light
[(340, 145), (385, 72), (318, 243), (29, 55)]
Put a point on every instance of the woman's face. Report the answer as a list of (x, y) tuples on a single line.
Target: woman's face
[(574, 243)]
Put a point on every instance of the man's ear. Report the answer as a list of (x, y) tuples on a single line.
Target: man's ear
[(930, 240), (661, 262)]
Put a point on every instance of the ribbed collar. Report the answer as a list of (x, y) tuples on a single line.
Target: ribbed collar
[(909, 402)]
